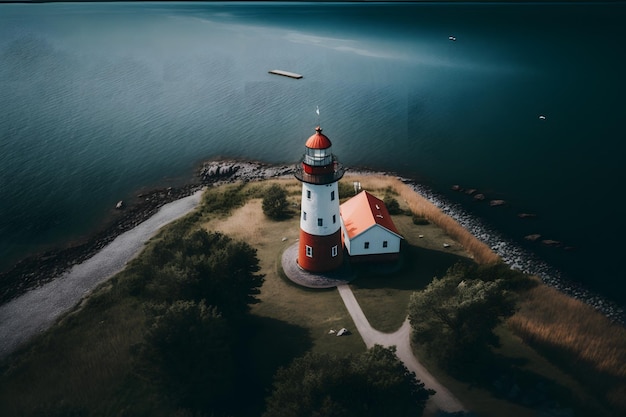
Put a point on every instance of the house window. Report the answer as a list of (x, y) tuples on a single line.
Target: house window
[(309, 251), (366, 245), (334, 218), (304, 215), (308, 194), (384, 243), (320, 222), (332, 196), (334, 251)]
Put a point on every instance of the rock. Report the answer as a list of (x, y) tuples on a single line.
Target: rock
[(479, 197), (471, 191), (550, 242), (119, 205), (456, 187), (533, 238), (526, 215), (496, 203), (332, 331)]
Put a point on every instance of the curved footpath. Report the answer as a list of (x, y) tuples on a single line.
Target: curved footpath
[(443, 399), (36, 310)]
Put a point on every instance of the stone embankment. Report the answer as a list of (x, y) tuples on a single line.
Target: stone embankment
[(39, 269)]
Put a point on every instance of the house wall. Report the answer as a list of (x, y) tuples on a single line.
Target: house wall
[(375, 235)]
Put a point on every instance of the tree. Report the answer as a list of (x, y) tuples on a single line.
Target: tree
[(374, 383), (203, 266), (454, 318), (188, 350), (275, 204)]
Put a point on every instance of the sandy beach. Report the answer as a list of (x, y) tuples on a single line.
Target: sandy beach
[(37, 309)]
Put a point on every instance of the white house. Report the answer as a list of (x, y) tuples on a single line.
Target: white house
[(368, 230)]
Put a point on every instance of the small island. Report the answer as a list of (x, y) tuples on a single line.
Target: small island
[(206, 300)]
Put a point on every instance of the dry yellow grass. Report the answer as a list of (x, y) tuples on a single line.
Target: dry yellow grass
[(552, 318), (420, 206), (581, 337)]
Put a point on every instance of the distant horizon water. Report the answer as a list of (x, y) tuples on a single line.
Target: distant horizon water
[(101, 100)]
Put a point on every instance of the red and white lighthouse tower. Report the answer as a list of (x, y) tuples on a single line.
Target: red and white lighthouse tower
[(320, 248)]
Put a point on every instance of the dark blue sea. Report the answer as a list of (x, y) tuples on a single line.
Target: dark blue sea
[(101, 100)]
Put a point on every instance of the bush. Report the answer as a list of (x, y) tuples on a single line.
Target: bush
[(275, 204), (202, 266), (454, 318), (393, 207), (420, 221), (188, 351), (374, 383), (346, 189)]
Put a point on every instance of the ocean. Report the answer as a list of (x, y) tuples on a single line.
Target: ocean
[(102, 100)]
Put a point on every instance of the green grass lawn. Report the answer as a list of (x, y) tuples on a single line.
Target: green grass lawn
[(84, 362)]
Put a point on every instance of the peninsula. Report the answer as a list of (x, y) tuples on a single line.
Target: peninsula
[(289, 321)]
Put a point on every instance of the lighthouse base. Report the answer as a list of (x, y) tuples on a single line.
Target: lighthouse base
[(320, 253), (299, 276)]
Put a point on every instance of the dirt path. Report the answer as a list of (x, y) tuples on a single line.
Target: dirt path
[(443, 399), (35, 311)]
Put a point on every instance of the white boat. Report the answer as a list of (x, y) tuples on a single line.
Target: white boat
[(452, 38)]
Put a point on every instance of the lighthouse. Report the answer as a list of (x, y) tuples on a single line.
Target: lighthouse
[(319, 247)]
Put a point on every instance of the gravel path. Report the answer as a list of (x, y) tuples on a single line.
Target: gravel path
[(443, 399), (36, 310)]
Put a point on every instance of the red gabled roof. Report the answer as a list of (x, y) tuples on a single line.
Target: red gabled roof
[(318, 140), (362, 212)]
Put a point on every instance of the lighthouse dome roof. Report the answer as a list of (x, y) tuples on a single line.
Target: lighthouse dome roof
[(318, 140)]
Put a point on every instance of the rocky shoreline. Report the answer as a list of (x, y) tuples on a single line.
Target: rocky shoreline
[(521, 259), (36, 270)]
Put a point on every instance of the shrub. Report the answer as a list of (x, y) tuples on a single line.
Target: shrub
[(454, 318), (275, 204), (188, 351), (374, 383), (420, 221), (392, 205)]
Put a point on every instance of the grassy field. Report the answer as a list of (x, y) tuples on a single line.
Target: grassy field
[(83, 362)]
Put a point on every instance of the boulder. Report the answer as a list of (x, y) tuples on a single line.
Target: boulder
[(479, 197), (496, 203), (526, 215), (533, 238), (550, 242), (343, 332), (119, 205)]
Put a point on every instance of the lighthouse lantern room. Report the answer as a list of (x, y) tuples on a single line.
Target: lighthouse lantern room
[(320, 248)]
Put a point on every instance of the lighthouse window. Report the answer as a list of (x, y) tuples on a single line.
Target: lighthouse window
[(384, 243), (309, 251), (334, 251), (332, 196), (308, 193), (334, 218), (320, 222), (304, 215), (366, 245)]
